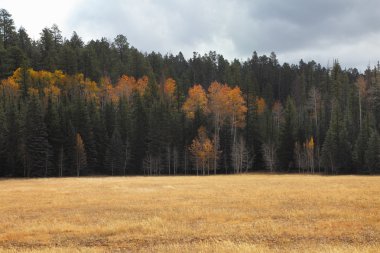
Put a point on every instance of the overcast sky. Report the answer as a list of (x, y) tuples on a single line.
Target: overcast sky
[(322, 30)]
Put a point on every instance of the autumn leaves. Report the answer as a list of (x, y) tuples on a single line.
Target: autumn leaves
[(226, 105)]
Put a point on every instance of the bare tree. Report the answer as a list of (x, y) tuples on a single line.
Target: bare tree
[(241, 158), (269, 150)]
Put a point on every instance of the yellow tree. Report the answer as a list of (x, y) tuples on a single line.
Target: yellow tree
[(218, 105), (202, 149), (309, 145), (127, 85), (9, 88), (196, 100), (170, 88), (237, 111), (80, 154)]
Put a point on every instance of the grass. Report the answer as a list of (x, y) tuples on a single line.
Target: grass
[(242, 213)]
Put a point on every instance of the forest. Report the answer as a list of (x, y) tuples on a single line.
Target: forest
[(75, 108)]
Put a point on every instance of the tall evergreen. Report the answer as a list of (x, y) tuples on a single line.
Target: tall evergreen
[(55, 136), (114, 158), (37, 149), (286, 148), (3, 130), (85, 129), (139, 134), (372, 154)]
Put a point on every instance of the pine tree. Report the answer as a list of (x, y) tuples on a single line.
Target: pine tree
[(3, 130), (55, 136), (85, 129), (361, 145), (38, 150), (114, 159), (286, 148), (372, 154), (139, 134), (13, 142)]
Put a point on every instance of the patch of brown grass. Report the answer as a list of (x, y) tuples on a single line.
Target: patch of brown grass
[(242, 213)]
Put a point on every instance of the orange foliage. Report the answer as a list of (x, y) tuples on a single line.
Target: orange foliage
[(53, 92), (9, 87), (33, 92), (202, 148), (236, 107), (218, 95), (169, 87), (127, 85), (197, 100), (260, 105)]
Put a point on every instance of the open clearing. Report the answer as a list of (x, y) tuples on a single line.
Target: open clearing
[(242, 213)]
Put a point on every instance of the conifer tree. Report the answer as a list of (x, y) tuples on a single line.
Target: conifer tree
[(38, 149), (114, 159), (139, 133), (3, 130), (372, 154), (55, 136), (286, 148)]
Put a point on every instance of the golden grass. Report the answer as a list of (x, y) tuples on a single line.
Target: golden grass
[(242, 213)]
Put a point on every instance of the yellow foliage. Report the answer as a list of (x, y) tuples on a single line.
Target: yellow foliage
[(53, 92), (197, 100), (9, 87), (202, 148), (237, 107), (218, 96), (169, 87), (260, 105), (310, 143), (127, 85), (33, 92)]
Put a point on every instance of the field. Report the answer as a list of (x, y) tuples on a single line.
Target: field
[(242, 213)]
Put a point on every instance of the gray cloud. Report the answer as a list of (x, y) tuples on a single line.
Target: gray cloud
[(294, 29)]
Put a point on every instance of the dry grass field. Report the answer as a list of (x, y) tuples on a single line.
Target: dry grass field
[(242, 213)]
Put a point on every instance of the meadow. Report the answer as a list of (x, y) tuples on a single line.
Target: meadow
[(238, 213)]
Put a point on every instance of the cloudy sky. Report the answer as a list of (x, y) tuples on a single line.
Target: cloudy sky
[(322, 30)]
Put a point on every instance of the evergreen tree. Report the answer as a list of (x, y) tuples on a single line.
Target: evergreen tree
[(372, 154), (38, 149), (3, 130), (114, 159), (85, 129), (286, 148), (139, 133), (13, 141), (7, 28), (55, 136)]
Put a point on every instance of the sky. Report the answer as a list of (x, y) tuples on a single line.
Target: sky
[(320, 30)]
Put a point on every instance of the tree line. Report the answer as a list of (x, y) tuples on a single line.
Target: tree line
[(70, 108)]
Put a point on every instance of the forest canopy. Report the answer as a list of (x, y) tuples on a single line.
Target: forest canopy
[(72, 108)]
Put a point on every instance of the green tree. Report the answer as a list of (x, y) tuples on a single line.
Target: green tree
[(372, 154), (286, 148), (114, 159), (7, 28), (3, 130), (139, 133), (55, 136), (38, 149)]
